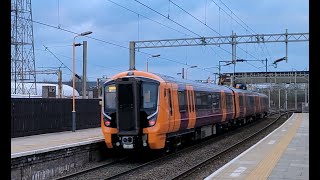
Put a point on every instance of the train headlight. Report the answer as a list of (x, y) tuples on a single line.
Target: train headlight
[(152, 122), (107, 123)]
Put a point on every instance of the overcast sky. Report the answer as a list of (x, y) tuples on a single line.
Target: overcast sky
[(111, 23)]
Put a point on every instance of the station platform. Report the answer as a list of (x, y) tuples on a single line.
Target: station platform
[(36, 144), (283, 154)]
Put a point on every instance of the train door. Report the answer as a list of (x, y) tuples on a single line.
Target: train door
[(169, 101), (127, 105), (223, 106), (191, 107)]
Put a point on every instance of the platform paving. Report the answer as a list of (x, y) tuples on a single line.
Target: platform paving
[(23, 146), (282, 155)]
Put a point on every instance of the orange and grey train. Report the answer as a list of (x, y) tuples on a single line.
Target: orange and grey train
[(147, 110)]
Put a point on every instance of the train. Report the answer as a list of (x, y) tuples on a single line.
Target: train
[(143, 110)]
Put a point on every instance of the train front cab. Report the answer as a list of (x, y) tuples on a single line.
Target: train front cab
[(130, 104)]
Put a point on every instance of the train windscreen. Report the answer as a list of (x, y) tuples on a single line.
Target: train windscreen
[(110, 98), (149, 97)]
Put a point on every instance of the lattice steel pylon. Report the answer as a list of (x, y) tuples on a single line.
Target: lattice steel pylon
[(22, 48)]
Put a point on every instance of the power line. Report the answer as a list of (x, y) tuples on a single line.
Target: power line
[(101, 40), (60, 55), (62, 29), (227, 13), (58, 46), (253, 65), (76, 59), (194, 17), (216, 53), (148, 18), (246, 52), (72, 32), (245, 25), (235, 19), (203, 24), (238, 18), (167, 17), (87, 77), (47, 49), (105, 41)]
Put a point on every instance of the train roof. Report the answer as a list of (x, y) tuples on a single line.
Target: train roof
[(197, 86), (247, 91)]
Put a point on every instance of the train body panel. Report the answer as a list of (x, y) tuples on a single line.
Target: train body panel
[(142, 109), (236, 107)]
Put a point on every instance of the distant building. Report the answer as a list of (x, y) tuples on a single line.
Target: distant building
[(66, 90)]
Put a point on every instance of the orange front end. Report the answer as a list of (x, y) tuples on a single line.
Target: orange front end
[(107, 133)]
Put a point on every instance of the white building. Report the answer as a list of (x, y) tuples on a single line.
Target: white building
[(66, 90)]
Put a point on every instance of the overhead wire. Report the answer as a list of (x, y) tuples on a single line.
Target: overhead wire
[(148, 18), (89, 37), (247, 26), (100, 40), (124, 46), (232, 13), (194, 17), (203, 24), (185, 27), (167, 18), (54, 54), (47, 49)]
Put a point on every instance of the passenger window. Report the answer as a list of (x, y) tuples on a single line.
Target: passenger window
[(240, 100), (216, 101), (192, 99), (190, 103), (170, 103), (182, 100)]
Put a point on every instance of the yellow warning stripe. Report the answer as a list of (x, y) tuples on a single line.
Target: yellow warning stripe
[(264, 168)]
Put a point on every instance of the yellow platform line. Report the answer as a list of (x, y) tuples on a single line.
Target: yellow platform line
[(264, 168)]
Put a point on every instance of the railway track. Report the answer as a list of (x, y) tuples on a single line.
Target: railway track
[(78, 173), (198, 166), (123, 162), (170, 155)]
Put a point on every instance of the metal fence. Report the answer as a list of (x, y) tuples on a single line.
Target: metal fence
[(286, 99), (32, 116)]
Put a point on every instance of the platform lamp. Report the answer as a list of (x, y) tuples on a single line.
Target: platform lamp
[(147, 62), (73, 79), (189, 68)]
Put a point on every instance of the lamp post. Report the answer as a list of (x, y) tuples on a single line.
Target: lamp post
[(219, 68), (189, 68), (181, 73), (278, 60), (234, 67), (73, 79), (215, 77), (228, 63), (156, 55)]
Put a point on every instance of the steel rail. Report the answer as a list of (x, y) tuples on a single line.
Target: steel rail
[(217, 155)]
